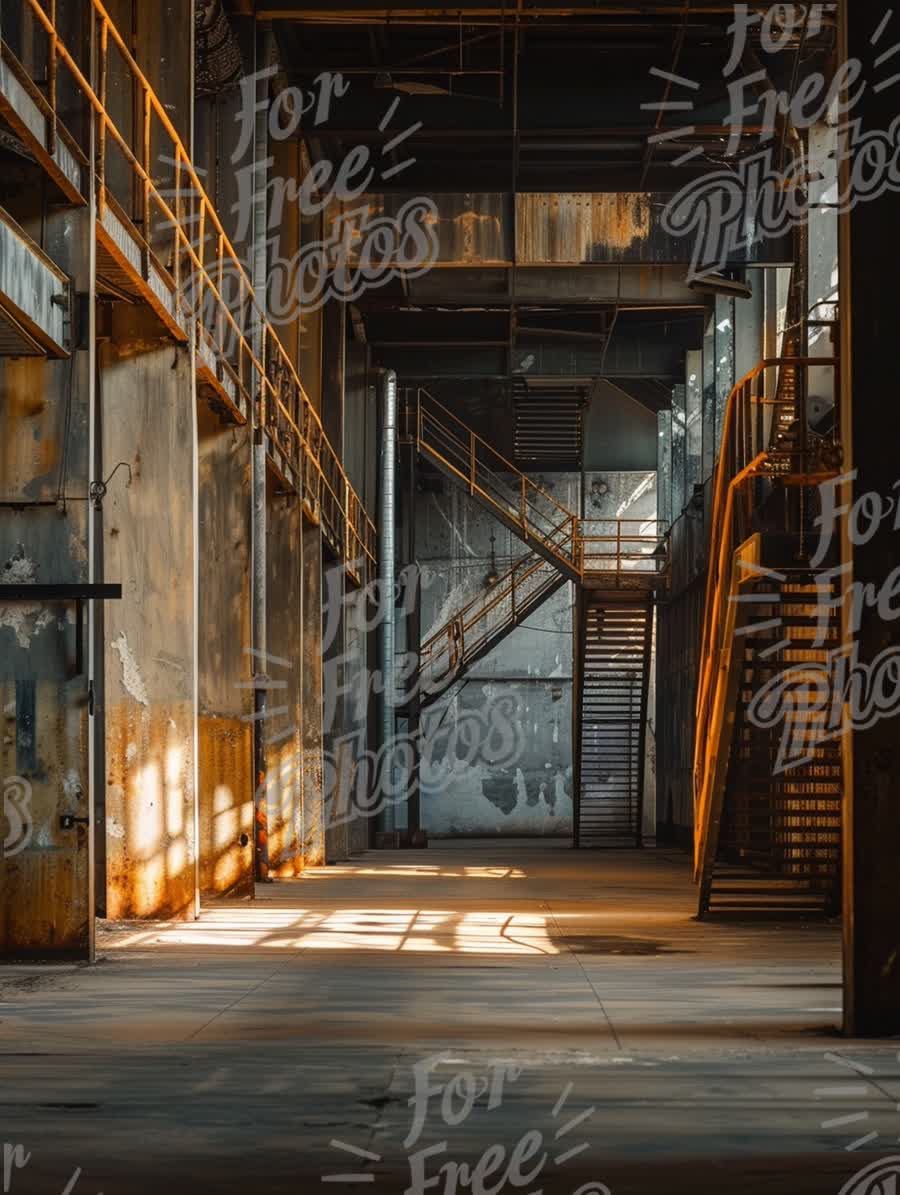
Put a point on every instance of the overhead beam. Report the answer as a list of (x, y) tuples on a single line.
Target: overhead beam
[(645, 287), (478, 13)]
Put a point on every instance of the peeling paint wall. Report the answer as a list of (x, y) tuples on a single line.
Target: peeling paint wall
[(284, 794), (148, 422), (314, 796), (44, 724), (497, 755), (225, 668)]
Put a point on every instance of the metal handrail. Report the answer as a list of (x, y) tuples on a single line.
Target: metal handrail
[(313, 447), (460, 452), (741, 462), (455, 640), (471, 469)]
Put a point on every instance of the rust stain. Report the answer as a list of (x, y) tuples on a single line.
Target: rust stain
[(149, 808), (286, 811), (225, 801), (580, 227), (46, 884), (619, 220)]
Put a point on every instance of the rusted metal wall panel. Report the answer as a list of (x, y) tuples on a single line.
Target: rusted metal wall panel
[(334, 722), (148, 414), (44, 765), (225, 700), (607, 228), (29, 285), (576, 228), (284, 794), (472, 227), (314, 796)]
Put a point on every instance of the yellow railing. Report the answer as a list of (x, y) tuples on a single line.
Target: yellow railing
[(180, 251), (626, 549), (480, 620), (488, 475), (615, 549), (748, 420)]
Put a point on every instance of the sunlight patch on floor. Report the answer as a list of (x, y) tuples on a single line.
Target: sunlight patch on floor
[(398, 930)]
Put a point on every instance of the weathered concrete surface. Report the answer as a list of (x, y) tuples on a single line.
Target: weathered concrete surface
[(337, 751), (315, 798), (497, 750), (283, 729), (148, 421), (359, 681), (225, 700), (44, 762), (701, 1053), (346, 685)]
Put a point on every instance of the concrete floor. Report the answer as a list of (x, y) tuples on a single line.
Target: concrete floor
[(272, 1046)]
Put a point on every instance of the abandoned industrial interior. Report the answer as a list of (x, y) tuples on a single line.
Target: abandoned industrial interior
[(448, 571)]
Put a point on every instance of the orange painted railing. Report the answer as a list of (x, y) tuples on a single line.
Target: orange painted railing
[(203, 281), (485, 619), (610, 549), (747, 453)]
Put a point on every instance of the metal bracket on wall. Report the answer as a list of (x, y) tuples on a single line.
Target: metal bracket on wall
[(77, 593)]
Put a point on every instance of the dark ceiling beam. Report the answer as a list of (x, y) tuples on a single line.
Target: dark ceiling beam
[(631, 285), (574, 130), (369, 11)]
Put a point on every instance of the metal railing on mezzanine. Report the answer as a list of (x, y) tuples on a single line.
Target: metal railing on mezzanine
[(172, 248)]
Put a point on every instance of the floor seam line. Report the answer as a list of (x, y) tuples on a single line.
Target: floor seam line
[(587, 978)]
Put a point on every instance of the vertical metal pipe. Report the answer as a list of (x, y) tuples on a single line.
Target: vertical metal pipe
[(96, 732), (387, 572), (413, 635), (260, 639), (195, 485)]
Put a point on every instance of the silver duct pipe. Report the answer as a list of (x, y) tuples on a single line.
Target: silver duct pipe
[(387, 575)]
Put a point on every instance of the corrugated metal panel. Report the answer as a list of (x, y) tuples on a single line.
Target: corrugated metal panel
[(472, 228), (584, 227), (33, 291), (601, 227)]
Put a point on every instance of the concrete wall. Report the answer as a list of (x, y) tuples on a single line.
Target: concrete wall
[(499, 743), (284, 792), (225, 701), (498, 746), (619, 432), (314, 794), (148, 414)]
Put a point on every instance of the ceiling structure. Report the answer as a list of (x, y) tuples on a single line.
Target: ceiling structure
[(523, 120)]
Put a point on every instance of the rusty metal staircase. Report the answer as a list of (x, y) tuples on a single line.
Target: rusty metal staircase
[(614, 671), (767, 769), (484, 622), (779, 838), (616, 564), (608, 553), (543, 524)]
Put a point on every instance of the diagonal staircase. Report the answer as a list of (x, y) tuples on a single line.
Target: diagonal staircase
[(779, 833), (543, 524), (616, 639), (767, 770), (484, 622), (616, 563), (610, 553)]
